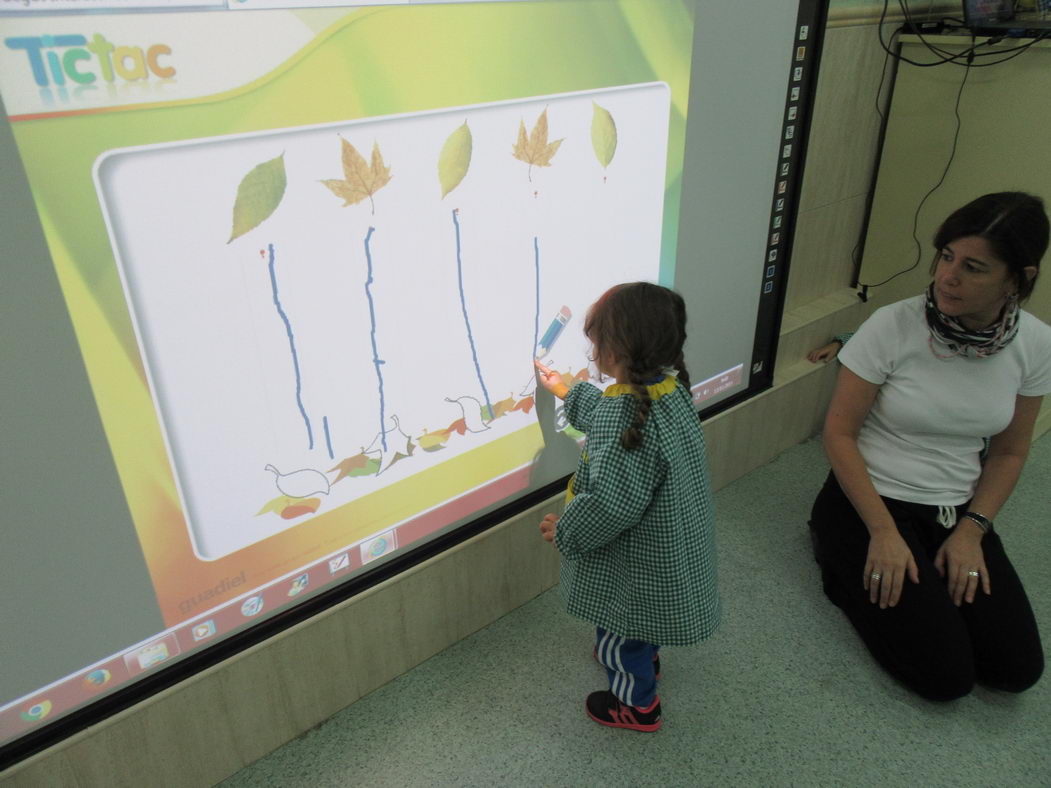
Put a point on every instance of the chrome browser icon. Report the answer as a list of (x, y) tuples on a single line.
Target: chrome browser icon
[(37, 711)]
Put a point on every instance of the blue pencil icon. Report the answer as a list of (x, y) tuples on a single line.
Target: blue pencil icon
[(553, 332)]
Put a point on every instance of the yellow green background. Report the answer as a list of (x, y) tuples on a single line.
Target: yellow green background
[(362, 63)]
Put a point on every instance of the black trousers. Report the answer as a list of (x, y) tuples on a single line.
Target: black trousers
[(936, 649)]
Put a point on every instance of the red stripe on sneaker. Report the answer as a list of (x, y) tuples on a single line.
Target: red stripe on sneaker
[(651, 707)]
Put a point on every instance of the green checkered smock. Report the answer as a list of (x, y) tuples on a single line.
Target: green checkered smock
[(637, 536)]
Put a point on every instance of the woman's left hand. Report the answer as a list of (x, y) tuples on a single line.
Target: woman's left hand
[(961, 561)]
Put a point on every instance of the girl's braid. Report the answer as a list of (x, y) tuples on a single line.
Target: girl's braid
[(684, 376), (631, 438)]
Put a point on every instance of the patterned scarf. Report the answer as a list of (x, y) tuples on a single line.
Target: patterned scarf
[(951, 333)]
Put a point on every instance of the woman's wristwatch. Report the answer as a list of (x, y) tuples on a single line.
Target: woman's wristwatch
[(980, 520)]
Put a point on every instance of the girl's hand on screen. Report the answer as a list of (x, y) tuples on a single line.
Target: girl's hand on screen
[(551, 380), (547, 527)]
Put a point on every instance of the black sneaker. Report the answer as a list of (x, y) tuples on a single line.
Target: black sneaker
[(606, 708), (656, 663)]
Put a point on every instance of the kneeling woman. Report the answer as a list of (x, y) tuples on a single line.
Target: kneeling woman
[(904, 523)]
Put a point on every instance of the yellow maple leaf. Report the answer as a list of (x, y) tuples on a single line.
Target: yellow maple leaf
[(535, 149), (360, 178)]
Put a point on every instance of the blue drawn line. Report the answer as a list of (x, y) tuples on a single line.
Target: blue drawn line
[(292, 347), (536, 320), (466, 320), (376, 360), (328, 438)]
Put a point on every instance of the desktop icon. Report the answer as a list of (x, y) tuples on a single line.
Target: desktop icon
[(151, 655), (204, 630), (380, 545), (97, 679), (299, 584), (339, 563), (37, 711), (145, 657), (252, 606)]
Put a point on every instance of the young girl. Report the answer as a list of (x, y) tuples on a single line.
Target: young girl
[(636, 537)]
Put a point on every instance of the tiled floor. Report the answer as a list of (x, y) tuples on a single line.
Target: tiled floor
[(784, 694)]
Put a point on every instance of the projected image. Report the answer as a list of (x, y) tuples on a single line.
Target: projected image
[(328, 312), (304, 270), (308, 286)]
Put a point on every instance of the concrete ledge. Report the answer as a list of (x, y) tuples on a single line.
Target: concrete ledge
[(210, 726)]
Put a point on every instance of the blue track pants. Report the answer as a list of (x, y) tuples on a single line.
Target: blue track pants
[(629, 665)]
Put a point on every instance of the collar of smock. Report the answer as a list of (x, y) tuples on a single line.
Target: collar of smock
[(657, 390)]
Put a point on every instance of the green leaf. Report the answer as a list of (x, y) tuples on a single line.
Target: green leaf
[(454, 159), (258, 196), (603, 135)]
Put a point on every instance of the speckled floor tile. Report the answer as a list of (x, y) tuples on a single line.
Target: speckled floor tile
[(783, 695)]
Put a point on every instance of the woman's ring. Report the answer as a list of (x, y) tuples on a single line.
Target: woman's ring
[(875, 575), (973, 573)]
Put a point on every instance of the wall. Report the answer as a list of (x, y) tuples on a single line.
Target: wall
[(1001, 145), (282, 688)]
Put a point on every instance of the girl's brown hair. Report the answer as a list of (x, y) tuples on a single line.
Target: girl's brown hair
[(641, 327)]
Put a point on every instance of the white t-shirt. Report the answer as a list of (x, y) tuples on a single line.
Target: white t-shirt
[(922, 438)]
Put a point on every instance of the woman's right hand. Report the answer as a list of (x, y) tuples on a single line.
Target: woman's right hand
[(889, 561)]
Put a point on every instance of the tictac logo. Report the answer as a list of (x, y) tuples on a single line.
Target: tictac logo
[(54, 60)]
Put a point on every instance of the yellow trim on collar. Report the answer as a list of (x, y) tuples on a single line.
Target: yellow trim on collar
[(657, 390)]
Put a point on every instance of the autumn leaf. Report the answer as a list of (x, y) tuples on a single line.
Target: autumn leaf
[(288, 507), (524, 405), (433, 441), (276, 505), (360, 179), (603, 135), (359, 465), (258, 195), (503, 406), (397, 456), (410, 448), (454, 159), (300, 507), (535, 149), (459, 427)]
